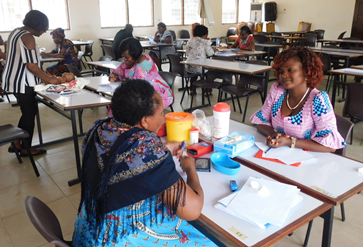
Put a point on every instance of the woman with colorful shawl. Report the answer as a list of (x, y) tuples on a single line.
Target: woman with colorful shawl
[(245, 40), (132, 194)]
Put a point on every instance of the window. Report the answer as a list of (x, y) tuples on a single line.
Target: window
[(12, 12), (180, 12), (116, 13), (229, 11)]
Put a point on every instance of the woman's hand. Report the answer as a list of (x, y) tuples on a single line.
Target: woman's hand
[(187, 163), (113, 77), (175, 148), (276, 140), (54, 80)]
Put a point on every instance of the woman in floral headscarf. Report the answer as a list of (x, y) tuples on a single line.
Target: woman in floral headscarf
[(132, 194), (64, 49)]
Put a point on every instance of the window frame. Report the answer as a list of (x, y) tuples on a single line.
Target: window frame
[(128, 15), (236, 21), (31, 8), (182, 13)]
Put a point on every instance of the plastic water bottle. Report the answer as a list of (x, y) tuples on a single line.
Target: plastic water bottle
[(218, 41)]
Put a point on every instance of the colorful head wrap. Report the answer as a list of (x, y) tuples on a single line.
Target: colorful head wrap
[(59, 31)]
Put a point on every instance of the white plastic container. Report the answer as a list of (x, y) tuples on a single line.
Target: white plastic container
[(194, 136), (221, 115), (218, 41)]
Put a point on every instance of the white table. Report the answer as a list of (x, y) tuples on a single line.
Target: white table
[(95, 82), (357, 66), (216, 186), (330, 178), (70, 103), (104, 64), (49, 60)]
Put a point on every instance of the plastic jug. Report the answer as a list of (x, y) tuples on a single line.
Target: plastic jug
[(221, 114)]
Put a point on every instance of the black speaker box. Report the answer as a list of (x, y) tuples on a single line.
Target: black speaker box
[(270, 11)]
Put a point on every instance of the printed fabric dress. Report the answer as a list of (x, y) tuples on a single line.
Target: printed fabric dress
[(147, 70), (316, 120), (198, 48), (126, 171)]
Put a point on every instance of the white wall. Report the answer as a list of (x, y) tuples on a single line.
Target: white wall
[(334, 16)]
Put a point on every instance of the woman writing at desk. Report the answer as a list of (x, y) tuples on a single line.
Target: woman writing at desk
[(245, 40), (138, 65), (295, 113), (132, 194)]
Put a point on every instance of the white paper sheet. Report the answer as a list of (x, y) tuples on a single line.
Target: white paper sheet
[(151, 39), (289, 155), (111, 87), (272, 208)]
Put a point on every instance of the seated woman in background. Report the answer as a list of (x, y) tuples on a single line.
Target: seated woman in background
[(199, 47), (138, 65), (245, 40), (64, 49), (295, 113), (162, 35), (131, 193)]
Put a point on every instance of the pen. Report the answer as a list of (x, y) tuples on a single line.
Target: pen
[(267, 150), (183, 144)]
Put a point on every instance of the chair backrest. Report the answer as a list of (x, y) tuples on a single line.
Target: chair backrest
[(325, 58), (319, 33), (73, 70), (305, 26), (251, 25), (88, 50), (218, 74), (270, 27), (258, 27), (173, 34), (263, 33), (179, 44), (260, 38), (353, 106), (311, 41), (245, 80), (273, 50), (184, 34), (175, 65), (108, 51), (170, 79), (241, 24), (231, 31), (341, 35), (344, 127), (45, 221)]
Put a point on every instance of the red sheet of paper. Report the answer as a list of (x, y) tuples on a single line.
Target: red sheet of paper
[(259, 156)]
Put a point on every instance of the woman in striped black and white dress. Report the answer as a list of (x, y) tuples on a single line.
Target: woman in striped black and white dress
[(22, 72)]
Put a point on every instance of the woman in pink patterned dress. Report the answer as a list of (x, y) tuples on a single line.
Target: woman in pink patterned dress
[(138, 65), (295, 113)]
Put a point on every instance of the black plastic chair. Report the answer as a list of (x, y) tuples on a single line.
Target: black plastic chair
[(319, 33), (45, 221), (310, 41), (345, 127), (170, 79), (179, 69), (108, 51), (335, 43), (88, 52), (260, 38), (173, 34), (73, 70), (243, 89), (184, 34), (9, 134), (278, 40)]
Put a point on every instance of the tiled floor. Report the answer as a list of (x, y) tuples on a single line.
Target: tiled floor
[(17, 181)]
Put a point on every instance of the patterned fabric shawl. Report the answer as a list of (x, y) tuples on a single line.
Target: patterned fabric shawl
[(123, 165)]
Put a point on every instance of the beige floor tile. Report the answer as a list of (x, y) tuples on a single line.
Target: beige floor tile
[(4, 236), (75, 199), (15, 173), (57, 162), (12, 198), (62, 178), (25, 234)]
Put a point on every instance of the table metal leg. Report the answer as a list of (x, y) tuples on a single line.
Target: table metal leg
[(39, 128), (328, 217), (267, 76), (80, 111), (76, 150), (336, 78)]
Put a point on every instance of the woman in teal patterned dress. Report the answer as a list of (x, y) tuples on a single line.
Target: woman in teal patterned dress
[(132, 194)]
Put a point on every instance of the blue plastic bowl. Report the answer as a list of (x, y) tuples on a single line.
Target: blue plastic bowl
[(222, 163)]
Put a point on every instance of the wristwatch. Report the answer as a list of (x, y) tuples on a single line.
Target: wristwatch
[(293, 142)]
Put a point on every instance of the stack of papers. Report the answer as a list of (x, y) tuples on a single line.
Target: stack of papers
[(109, 87), (267, 203)]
